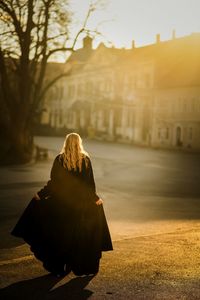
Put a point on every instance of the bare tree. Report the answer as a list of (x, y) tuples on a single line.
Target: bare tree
[(31, 33)]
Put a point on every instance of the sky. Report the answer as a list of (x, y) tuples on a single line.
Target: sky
[(121, 21)]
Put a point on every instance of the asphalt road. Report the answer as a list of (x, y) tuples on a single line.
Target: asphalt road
[(145, 191)]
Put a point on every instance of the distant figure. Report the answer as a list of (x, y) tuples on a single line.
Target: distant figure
[(67, 229)]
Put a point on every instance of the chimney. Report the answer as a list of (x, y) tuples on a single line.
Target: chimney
[(173, 34), (87, 42), (133, 44), (157, 38)]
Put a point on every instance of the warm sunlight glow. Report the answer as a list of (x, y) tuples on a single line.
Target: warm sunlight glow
[(122, 21)]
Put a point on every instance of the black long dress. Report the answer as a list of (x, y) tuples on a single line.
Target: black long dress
[(66, 227)]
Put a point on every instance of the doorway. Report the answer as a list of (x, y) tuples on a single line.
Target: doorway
[(178, 136)]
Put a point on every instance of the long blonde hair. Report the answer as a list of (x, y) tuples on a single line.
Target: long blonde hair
[(73, 153)]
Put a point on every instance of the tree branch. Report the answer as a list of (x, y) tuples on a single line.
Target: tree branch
[(16, 22), (49, 85)]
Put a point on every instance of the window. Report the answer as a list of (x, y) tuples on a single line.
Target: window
[(159, 133), (135, 81), (87, 87), (70, 117), (60, 118), (190, 133), (71, 90), (167, 133), (129, 117), (80, 89), (147, 81), (108, 85)]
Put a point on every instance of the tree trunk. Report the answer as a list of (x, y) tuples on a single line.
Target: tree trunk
[(19, 148)]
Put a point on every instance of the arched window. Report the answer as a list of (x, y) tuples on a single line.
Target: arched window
[(178, 136), (159, 133), (190, 133), (167, 133)]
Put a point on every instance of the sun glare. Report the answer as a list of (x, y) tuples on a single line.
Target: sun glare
[(122, 21)]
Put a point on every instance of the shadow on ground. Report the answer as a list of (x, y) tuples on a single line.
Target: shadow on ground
[(137, 210), (42, 288)]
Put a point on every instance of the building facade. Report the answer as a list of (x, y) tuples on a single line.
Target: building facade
[(148, 95)]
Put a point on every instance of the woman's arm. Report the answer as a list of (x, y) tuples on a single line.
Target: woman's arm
[(91, 182), (47, 189)]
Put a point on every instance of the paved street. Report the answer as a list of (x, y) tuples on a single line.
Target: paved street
[(146, 193)]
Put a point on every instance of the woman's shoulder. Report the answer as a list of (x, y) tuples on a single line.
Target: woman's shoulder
[(86, 160), (87, 157), (58, 158)]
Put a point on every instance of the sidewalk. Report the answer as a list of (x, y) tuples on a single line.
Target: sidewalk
[(163, 266)]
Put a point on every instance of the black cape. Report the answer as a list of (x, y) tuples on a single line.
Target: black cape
[(66, 227)]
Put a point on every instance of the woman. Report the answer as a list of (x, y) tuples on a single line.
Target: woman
[(67, 228)]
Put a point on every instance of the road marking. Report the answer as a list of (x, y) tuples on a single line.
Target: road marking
[(16, 260)]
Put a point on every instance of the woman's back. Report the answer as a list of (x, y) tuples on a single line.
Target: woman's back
[(66, 227)]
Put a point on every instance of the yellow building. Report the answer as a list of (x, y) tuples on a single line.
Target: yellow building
[(148, 95), (176, 108)]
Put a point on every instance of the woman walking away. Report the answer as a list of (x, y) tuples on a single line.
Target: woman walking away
[(64, 223)]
